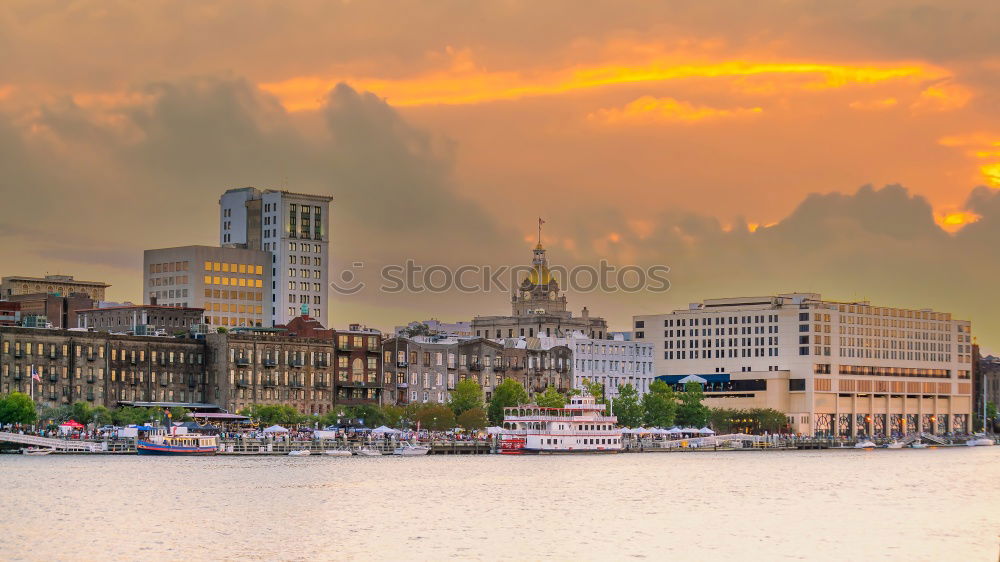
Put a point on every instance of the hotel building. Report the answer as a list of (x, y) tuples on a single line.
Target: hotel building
[(293, 228), (230, 284), (835, 368)]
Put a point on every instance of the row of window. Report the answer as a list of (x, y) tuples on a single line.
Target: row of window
[(249, 269)]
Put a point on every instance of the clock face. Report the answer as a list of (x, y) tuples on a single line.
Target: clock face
[(526, 295), (552, 295)]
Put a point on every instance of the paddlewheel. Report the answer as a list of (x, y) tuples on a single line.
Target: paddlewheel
[(512, 445)]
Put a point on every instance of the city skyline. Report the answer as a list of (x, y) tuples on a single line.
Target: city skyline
[(733, 149)]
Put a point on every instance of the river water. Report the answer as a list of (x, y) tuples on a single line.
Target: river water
[(934, 504)]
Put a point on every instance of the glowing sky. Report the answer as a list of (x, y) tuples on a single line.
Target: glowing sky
[(729, 140)]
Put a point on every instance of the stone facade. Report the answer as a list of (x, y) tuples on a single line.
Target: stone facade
[(419, 370), (51, 284), (100, 368), (267, 367)]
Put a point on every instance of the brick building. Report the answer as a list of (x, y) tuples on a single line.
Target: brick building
[(61, 311), (132, 318), (100, 368)]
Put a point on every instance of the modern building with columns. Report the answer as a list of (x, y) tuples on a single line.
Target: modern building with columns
[(835, 368)]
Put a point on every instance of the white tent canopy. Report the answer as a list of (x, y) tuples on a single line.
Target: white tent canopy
[(384, 429), (495, 430), (674, 431), (692, 378), (275, 429), (706, 431)]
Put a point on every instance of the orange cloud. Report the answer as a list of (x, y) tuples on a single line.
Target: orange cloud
[(943, 97), (648, 108), (981, 146), (953, 221), (874, 105), (463, 82)]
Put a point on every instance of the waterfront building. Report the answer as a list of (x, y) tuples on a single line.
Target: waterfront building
[(835, 368), (611, 362), (986, 382), (100, 368), (10, 313), (357, 358), (538, 309), (293, 228), (265, 366), (537, 364), (231, 284), (148, 319), (51, 284)]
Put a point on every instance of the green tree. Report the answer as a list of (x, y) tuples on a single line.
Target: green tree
[(508, 394), (102, 416), (473, 418), (627, 406), (550, 398), (271, 414), (466, 396), (691, 411), (419, 329), (57, 414), (991, 416), (659, 405), (392, 414), (81, 412), (129, 415), (17, 407), (179, 414), (435, 417), (595, 389)]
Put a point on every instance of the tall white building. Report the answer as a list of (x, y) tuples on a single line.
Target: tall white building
[(613, 363), (842, 368), (294, 228)]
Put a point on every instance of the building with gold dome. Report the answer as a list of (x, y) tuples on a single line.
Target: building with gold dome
[(538, 308)]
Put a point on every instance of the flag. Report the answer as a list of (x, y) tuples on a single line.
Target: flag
[(34, 374)]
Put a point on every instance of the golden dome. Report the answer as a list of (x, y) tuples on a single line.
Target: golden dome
[(546, 275)]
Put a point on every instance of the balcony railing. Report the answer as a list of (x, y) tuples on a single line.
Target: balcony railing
[(242, 362), (17, 376), (402, 364), (475, 367), (163, 382), (53, 378), (53, 396), (270, 363), (296, 384), (90, 396), (242, 384), (18, 353), (91, 357), (295, 363), (90, 379), (321, 384), (191, 382)]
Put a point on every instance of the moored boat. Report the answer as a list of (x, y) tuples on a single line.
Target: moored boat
[(300, 453), (865, 444), (31, 451), (157, 442), (366, 452), (980, 441), (411, 450), (582, 426), (337, 453)]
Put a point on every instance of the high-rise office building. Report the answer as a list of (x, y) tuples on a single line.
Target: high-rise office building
[(293, 228), (231, 284)]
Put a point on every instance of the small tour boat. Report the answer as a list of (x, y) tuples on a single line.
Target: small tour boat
[(411, 450), (337, 453), (895, 445), (157, 442), (865, 444), (980, 441), (368, 453), (300, 453), (918, 445), (36, 452)]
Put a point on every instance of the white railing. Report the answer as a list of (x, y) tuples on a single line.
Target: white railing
[(61, 444), (586, 419)]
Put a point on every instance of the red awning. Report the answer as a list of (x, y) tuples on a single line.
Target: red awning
[(72, 423)]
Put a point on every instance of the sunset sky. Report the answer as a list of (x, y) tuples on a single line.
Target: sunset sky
[(847, 148)]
